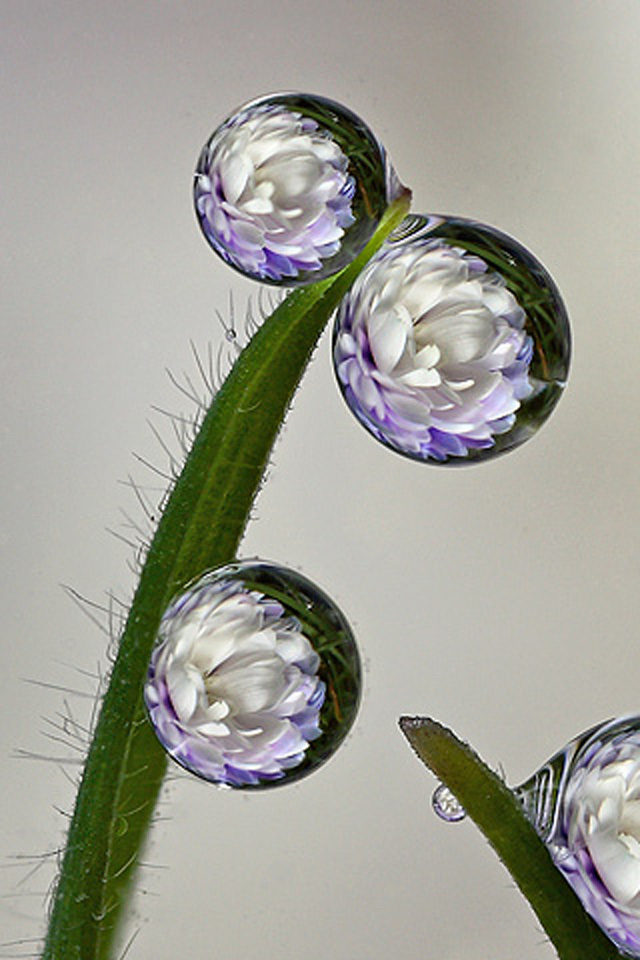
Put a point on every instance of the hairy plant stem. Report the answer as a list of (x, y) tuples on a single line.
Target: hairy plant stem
[(201, 528), (500, 816)]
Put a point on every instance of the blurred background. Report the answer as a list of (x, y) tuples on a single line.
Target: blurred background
[(499, 599)]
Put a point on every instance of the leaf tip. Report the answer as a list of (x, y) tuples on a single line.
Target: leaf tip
[(412, 727), (408, 724)]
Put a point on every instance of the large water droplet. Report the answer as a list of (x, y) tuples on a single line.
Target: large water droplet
[(289, 189), (446, 805), (255, 679), (585, 804), (453, 344)]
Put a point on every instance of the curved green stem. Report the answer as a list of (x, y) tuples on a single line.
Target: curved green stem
[(201, 528), (500, 816)]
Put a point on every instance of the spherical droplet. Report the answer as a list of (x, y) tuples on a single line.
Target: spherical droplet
[(289, 189), (585, 805), (446, 805), (255, 679), (453, 344)]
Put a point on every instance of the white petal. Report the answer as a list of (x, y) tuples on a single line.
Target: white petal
[(258, 206), (183, 690), (212, 729), (420, 377), (428, 356), (619, 869), (387, 339), (218, 710), (234, 174), (418, 411)]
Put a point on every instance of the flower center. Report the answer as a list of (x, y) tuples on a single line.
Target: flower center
[(245, 684)]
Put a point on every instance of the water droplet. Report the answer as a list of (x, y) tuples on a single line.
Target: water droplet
[(453, 344), (446, 805), (584, 805), (255, 679), (289, 189)]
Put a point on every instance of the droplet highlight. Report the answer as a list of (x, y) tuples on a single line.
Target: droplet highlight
[(255, 679), (585, 805), (453, 345), (290, 188), (446, 805)]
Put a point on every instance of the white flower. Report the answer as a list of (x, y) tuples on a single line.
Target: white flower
[(597, 845), (585, 803), (233, 691), (273, 193), (431, 351), (604, 817)]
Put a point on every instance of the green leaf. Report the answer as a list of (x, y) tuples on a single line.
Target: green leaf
[(201, 527), (499, 814)]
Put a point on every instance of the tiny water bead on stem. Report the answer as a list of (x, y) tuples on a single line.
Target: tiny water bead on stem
[(446, 805), (255, 679), (290, 188), (585, 805), (453, 345)]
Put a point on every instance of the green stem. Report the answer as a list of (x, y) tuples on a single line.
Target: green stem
[(499, 814), (200, 528)]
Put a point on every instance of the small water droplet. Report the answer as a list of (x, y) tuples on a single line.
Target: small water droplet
[(290, 188), (446, 805), (230, 335), (471, 352), (255, 679)]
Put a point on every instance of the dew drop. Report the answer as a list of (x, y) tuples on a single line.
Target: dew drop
[(255, 679), (453, 345), (584, 805), (446, 805), (290, 188)]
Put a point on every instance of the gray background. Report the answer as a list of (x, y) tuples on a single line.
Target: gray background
[(501, 599)]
